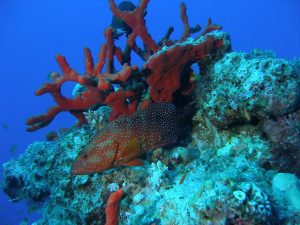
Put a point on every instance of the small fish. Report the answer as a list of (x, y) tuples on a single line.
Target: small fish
[(13, 149), (122, 141), (5, 126), (118, 25), (52, 76), (24, 221), (246, 114)]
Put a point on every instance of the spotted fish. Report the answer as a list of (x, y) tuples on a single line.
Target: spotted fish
[(122, 141)]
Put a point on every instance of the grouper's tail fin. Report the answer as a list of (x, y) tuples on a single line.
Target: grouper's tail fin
[(186, 112), (184, 121)]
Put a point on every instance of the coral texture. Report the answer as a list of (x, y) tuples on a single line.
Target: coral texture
[(221, 177), (161, 77), (249, 87), (226, 171), (284, 135)]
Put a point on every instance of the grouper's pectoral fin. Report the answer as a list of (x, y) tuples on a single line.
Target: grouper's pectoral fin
[(135, 162), (129, 151), (132, 149)]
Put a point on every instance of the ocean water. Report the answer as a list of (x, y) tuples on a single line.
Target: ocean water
[(32, 32)]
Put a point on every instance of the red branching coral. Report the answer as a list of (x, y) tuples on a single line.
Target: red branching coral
[(167, 69), (98, 86), (135, 20), (165, 79), (112, 207)]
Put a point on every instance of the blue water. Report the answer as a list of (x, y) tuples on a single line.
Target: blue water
[(32, 32)]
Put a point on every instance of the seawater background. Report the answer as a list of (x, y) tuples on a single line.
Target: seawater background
[(32, 32)]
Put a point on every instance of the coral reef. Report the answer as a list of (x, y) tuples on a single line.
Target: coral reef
[(166, 70), (250, 205), (213, 179), (285, 187), (226, 171), (284, 135), (248, 87)]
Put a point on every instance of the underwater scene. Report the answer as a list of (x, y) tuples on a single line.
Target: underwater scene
[(150, 112)]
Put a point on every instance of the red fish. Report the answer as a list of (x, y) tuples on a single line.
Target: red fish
[(122, 141)]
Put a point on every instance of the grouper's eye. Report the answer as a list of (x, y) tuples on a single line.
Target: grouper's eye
[(85, 156)]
